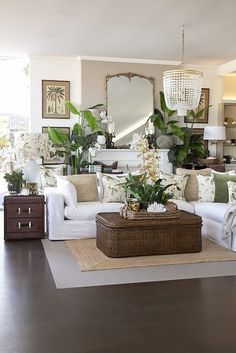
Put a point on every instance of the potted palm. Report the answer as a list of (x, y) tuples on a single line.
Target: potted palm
[(14, 180)]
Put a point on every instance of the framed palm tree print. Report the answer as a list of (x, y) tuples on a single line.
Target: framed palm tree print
[(54, 95)]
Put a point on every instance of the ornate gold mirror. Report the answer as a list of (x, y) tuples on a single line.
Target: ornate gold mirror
[(130, 101)]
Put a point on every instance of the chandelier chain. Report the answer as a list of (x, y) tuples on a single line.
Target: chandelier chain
[(182, 59)]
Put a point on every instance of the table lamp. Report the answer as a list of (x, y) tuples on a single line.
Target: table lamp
[(31, 147), (214, 134)]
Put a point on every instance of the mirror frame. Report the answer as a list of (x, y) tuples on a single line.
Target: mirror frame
[(129, 75)]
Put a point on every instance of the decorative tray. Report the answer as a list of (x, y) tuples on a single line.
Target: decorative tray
[(148, 215)]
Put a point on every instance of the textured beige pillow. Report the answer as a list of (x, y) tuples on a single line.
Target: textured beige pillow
[(191, 190), (85, 185)]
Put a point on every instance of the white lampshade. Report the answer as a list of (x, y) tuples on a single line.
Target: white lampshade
[(30, 147), (33, 145), (214, 133)]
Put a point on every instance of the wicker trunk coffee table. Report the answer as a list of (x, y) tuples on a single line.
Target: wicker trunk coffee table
[(120, 237)]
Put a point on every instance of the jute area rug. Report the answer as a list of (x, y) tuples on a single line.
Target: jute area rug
[(90, 258)]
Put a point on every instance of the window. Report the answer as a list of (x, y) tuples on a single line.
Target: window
[(14, 97)]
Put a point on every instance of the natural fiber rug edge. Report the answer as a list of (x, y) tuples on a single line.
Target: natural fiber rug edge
[(90, 258)]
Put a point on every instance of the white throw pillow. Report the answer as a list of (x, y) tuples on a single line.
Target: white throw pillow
[(111, 189), (68, 191), (206, 188), (232, 192), (179, 184)]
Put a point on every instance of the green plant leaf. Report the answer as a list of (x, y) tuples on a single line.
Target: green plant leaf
[(91, 121), (77, 130), (72, 108), (57, 136), (96, 106), (157, 119), (164, 107)]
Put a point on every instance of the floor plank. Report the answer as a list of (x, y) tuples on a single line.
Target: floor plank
[(177, 316)]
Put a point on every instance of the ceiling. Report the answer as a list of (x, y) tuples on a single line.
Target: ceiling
[(149, 29)]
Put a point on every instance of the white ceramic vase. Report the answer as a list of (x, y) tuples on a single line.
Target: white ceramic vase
[(31, 172), (101, 139)]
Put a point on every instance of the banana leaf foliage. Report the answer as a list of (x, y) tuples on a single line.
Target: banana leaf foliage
[(161, 119), (83, 136), (191, 146)]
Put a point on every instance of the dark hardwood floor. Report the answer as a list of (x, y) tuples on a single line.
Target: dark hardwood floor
[(176, 316)]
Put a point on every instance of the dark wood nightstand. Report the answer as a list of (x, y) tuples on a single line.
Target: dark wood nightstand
[(24, 217)]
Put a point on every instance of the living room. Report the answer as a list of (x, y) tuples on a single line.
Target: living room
[(60, 290)]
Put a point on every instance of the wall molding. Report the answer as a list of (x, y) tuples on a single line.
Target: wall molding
[(129, 60)]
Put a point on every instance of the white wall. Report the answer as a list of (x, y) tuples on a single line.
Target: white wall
[(52, 68)]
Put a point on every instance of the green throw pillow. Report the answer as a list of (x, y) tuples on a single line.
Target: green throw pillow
[(221, 187)]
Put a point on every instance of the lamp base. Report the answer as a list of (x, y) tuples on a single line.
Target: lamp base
[(31, 172)]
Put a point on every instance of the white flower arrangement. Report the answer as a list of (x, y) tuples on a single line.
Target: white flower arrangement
[(149, 156), (108, 121), (94, 149)]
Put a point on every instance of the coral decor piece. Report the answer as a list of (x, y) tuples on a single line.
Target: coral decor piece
[(156, 207)]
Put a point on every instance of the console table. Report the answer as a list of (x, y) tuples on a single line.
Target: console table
[(130, 158)]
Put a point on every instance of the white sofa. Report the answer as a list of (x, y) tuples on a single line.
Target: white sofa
[(82, 223), (218, 220)]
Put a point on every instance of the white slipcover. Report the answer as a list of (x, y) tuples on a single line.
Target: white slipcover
[(88, 210)]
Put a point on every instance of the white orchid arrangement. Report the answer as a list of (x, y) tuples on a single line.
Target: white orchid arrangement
[(93, 150), (149, 157), (108, 121)]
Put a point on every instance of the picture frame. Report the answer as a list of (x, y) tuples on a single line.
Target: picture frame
[(64, 129), (54, 95), (57, 160), (204, 103)]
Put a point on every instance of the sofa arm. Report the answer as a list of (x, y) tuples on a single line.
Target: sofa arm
[(55, 205)]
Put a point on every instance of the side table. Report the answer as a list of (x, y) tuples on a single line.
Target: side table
[(24, 217)]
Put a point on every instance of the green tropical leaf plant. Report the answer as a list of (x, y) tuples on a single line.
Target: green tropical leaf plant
[(161, 119), (191, 146), (83, 136), (144, 192)]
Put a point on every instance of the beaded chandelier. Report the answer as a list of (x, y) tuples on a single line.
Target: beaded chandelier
[(182, 88)]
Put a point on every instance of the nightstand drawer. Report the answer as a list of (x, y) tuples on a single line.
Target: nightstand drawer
[(24, 211), (20, 225)]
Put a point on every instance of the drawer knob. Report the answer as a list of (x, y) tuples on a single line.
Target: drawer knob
[(18, 210), (21, 225)]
